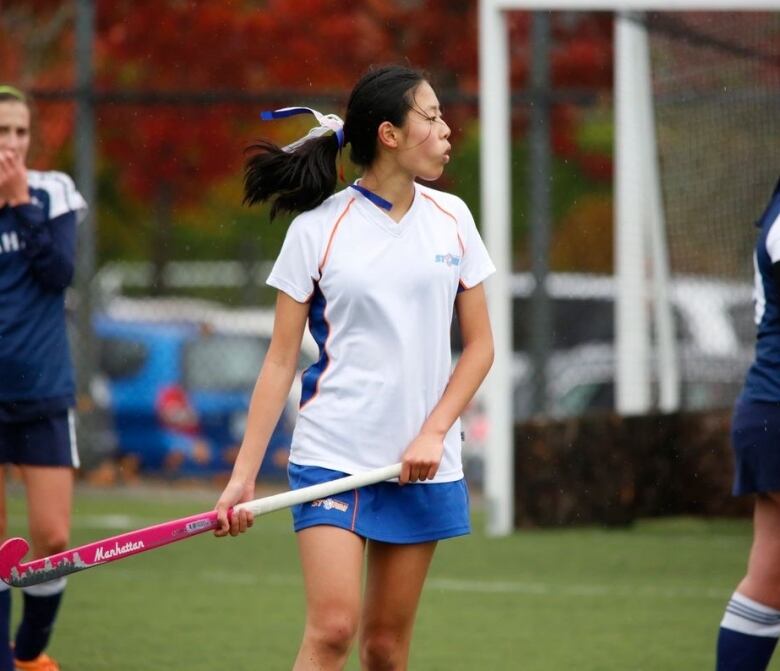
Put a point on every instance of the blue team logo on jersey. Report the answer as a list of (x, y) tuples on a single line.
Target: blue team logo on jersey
[(448, 259)]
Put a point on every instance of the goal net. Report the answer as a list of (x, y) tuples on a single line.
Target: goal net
[(716, 82), (715, 85), (716, 89)]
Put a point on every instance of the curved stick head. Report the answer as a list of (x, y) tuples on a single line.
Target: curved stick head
[(11, 554)]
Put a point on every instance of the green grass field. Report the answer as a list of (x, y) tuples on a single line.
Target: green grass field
[(646, 598)]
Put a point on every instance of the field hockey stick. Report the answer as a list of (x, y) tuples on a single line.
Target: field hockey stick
[(18, 574)]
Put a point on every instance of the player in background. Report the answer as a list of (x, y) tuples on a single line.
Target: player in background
[(751, 624), (376, 270), (38, 216)]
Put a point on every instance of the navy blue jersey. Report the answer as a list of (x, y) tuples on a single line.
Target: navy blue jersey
[(763, 378), (37, 251)]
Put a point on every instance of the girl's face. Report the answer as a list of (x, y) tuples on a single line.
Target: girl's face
[(424, 149), (15, 128)]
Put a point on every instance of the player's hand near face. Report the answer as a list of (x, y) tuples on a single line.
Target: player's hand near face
[(421, 459), (13, 179), (235, 492)]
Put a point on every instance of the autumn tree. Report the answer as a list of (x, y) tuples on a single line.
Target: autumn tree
[(35, 53), (178, 82)]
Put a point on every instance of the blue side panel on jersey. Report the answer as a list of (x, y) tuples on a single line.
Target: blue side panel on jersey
[(319, 328)]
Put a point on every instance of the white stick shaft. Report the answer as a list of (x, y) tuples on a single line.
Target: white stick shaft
[(278, 501)]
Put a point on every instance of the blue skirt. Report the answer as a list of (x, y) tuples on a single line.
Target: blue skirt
[(386, 511), (755, 438), (44, 441)]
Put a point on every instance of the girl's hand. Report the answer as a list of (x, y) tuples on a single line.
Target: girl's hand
[(235, 492), (421, 459), (13, 179)]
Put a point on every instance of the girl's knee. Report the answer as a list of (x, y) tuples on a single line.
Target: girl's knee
[(332, 632), (383, 650), (51, 541)]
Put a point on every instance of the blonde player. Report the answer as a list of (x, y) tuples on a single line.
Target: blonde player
[(376, 269), (38, 217)]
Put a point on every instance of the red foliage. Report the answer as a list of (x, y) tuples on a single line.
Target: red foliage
[(289, 45), (35, 39), (308, 46)]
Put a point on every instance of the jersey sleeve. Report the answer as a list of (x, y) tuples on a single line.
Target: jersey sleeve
[(50, 245), (63, 195), (296, 269), (476, 264)]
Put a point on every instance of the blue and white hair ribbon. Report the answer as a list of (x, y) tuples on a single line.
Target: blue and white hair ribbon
[(328, 123)]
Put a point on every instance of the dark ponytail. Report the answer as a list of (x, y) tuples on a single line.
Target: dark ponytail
[(301, 179)]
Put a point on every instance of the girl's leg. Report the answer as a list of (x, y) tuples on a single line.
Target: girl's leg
[(762, 582), (49, 502), (332, 562), (394, 582), (751, 624)]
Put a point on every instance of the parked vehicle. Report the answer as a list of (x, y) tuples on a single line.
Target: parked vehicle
[(180, 388), (712, 315), (714, 329), (582, 380)]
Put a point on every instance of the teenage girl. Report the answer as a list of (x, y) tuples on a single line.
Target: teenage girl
[(376, 270)]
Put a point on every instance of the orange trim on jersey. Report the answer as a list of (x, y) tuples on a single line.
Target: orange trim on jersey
[(453, 217), (355, 511), (333, 234)]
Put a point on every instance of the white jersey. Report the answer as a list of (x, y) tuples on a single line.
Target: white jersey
[(381, 297)]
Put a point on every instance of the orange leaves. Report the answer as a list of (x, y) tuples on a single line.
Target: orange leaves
[(156, 48)]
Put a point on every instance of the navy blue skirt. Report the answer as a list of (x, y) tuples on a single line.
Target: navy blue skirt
[(44, 441), (755, 438), (386, 511)]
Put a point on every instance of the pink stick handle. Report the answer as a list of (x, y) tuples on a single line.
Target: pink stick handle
[(99, 552)]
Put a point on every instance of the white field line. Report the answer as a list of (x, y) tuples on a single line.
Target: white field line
[(488, 587), (504, 587), (454, 585)]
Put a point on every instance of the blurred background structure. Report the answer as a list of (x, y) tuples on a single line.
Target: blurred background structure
[(648, 348), (150, 105)]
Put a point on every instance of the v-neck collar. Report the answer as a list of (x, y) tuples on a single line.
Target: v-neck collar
[(380, 216), (375, 198)]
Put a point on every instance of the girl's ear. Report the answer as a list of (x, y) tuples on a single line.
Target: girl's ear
[(388, 135)]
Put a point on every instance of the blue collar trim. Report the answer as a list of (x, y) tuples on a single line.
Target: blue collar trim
[(374, 198)]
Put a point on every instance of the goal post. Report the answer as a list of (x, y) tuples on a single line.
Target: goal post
[(639, 228)]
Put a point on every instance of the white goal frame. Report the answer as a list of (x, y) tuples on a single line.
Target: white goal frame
[(637, 228)]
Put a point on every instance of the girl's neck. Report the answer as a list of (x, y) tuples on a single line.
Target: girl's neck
[(395, 188)]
